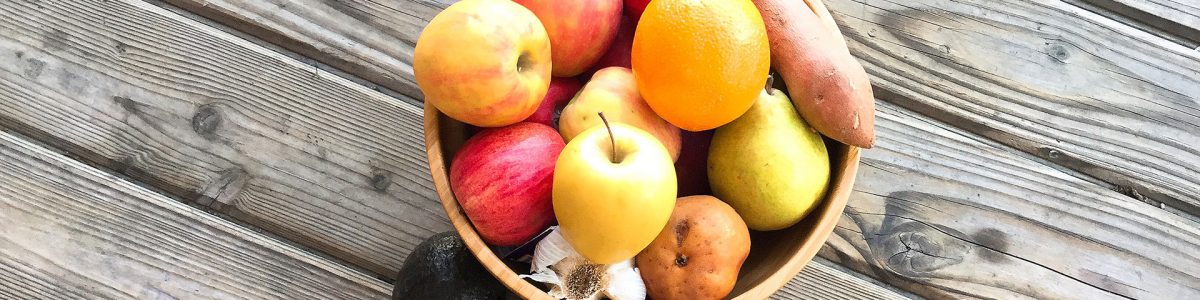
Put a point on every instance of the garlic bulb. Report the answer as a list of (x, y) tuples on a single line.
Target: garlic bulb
[(571, 276)]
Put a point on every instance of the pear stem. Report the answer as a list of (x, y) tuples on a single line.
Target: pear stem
[(611, 139), (770, 84)]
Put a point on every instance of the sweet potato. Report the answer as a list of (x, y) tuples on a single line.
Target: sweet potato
[(828, 85)]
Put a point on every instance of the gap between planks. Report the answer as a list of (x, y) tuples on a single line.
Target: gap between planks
[(72, 231), (132, 109), (1074, 88), (941, 213), (1175, 20), (1059, 42), (317, 159)]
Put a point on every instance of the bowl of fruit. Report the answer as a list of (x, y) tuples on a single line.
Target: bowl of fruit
[(666, 149)]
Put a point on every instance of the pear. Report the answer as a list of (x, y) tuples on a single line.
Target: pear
[(768, 164)]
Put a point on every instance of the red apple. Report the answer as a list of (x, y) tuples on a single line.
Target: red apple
[(502, 178), (634, 8), (692, 166), (580, 31), (618, 52), (562, 89)]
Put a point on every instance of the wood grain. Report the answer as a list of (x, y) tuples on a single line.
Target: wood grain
[(945, 213), (1069, 86), (820, 279), (1172, 19), (1186, 13), (71, 231), (987, 65), (125, 97), (1000, 76), (370, 18), (371, 39), (222, 122)]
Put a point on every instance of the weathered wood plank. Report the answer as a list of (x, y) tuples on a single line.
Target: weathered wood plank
[(220, 121), (820, 280), (1007, 57), (1186, 13), (1125, 84), (1067, 85), (945, 213), (34, 91), (73, 232), (1177, 20), (36, 63), (371, 39)]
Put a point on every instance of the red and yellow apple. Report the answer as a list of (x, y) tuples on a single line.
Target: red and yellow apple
[(613, 193), (580, 30), (483, 62), (614, 92), (634, 8), (618, 52), (502, 179), (561, 90)]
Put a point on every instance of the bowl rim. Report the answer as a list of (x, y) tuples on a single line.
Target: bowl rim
[(841, 185)]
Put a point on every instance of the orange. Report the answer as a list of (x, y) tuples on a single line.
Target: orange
[(700, 63)]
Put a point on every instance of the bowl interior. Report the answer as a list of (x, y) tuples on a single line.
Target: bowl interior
[(775, 256)]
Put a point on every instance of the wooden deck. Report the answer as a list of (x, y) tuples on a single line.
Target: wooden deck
[(272, 149)]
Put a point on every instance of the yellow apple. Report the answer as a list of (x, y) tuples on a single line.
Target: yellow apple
[(613, 193), (613, 91), (483, 62)]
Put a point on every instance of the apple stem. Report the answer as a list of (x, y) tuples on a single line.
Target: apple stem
[(770, 84), (611, 139)]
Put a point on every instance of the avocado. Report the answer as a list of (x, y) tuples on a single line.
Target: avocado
[(442, 267)]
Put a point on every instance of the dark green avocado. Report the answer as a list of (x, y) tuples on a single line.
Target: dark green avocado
[(442, 267)]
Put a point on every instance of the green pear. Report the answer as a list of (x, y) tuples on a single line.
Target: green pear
[(769, 164)]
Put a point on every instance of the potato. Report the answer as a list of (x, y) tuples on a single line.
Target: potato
[(828, 85)]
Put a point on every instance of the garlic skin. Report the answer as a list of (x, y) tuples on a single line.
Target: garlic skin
[(625, 282), (571, 276)]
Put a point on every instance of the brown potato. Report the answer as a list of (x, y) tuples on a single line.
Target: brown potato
[(828, 85), (698, 254)]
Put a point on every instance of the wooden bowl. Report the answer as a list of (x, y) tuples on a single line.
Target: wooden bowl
[(775, 256)]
